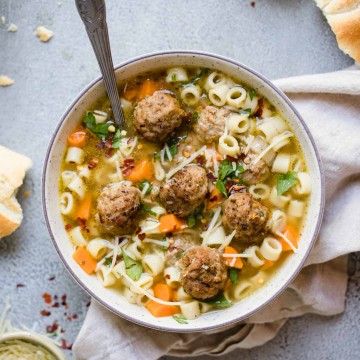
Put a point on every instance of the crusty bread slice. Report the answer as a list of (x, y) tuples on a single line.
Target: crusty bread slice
[(10, 216), (344, 18), (13, 167)]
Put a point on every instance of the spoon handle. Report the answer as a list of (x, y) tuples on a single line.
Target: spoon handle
[(93, 15)]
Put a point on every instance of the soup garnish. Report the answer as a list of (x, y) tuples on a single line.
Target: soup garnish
[(195, 203)]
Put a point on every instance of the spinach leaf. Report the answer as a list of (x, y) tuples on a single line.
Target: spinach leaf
[(108, 261), (225, 169), (116, 139), (251, 93), (219, 301), (133, 268), (285, 182), (145, 208), (142, 184), (234, 275), (181, 319), (191, 221), (221, 187)]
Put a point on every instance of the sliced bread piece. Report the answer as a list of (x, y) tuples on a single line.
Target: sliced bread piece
[(10, 216)]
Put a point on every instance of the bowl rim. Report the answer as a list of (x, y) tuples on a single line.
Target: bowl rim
[(34, 338), (273, 88)]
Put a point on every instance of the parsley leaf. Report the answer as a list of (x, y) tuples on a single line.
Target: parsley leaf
[(108, 261), (133, 268), (219, 301), (225, 169), (202, 73), (239, 170), (195, 115), (191, 221), (285, 182), (181, 319), (156, 155), (142, 184), (246, 111), (221, 187), (173, 77), (116, 139), (145, 208), (101, 130), (196, 215), (234, 275), (251, 93)]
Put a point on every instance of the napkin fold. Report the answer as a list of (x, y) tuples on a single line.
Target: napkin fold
[(330, 106)]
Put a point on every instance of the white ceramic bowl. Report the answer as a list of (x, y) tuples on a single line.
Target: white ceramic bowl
[(35, 339), (109, 298)]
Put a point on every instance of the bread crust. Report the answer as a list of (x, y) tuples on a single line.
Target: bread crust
[(10, 216), (343, 17)]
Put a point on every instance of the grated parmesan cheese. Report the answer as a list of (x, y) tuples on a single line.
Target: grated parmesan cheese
[(43, 33), (6, 81)]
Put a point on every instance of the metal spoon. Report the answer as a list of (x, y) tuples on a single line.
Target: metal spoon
[(93, 15)]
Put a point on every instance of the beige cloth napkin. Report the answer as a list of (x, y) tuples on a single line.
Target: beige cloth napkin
[(330, 105)]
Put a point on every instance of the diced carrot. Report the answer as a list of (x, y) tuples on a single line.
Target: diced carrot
[(142, 170), (292, 234), (268, 264), (215, 198), (85, 260), (163, 292), (219, 157), (130, 93), (160, 310), (77, 139), (170, 223), (84, 209), (229, 260), (148, 87)]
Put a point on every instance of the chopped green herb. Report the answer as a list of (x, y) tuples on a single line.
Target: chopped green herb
[(225, 169), (156, 155), (221, 187), (101, 130), (173, 77), (285, 182), (234, 275), (251, 93), (219, 301), (180, 255), (145, 208), (195, 115), (191, 221), (164, 248), (202, 73), (142, 184), (246, 111), (116, 139), (108, 261), (239, 170), (181, 319), (261, 214), (133, 268)]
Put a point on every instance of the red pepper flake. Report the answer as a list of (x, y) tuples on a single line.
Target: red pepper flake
[(63, 300), (128, 165), (213, 199), (52, 328), (93, 163), (259, 109), (64, 346), (231, 159), (74, 316), (55, 297), (46, 297), (68, 227), (211, 176), (62, 331), (237, 188), (100, 145), (68, 318), (51, 278), (200, 159), (82, 224), (20, 286), (88, 304), (252, 4), (109, 153), (45, 313), (108, 144), (167, 276), (141, 236), (56, 305)]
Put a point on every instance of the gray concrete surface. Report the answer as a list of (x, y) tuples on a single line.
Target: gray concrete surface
[(277, 37)]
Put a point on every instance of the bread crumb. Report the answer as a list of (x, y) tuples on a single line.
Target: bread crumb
[(43, 33), (12, 28), (3, 20), (6, 81)]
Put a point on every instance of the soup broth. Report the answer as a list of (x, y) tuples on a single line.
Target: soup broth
[(195, 202)]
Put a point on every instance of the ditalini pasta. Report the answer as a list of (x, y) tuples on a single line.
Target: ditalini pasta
[(194, 203)]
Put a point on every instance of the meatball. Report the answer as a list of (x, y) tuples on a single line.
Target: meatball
[(185, 191), (157, 116), (211, 124), (247, 216), (117, 206), (203, 272), (180, 242), (255, 172)]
